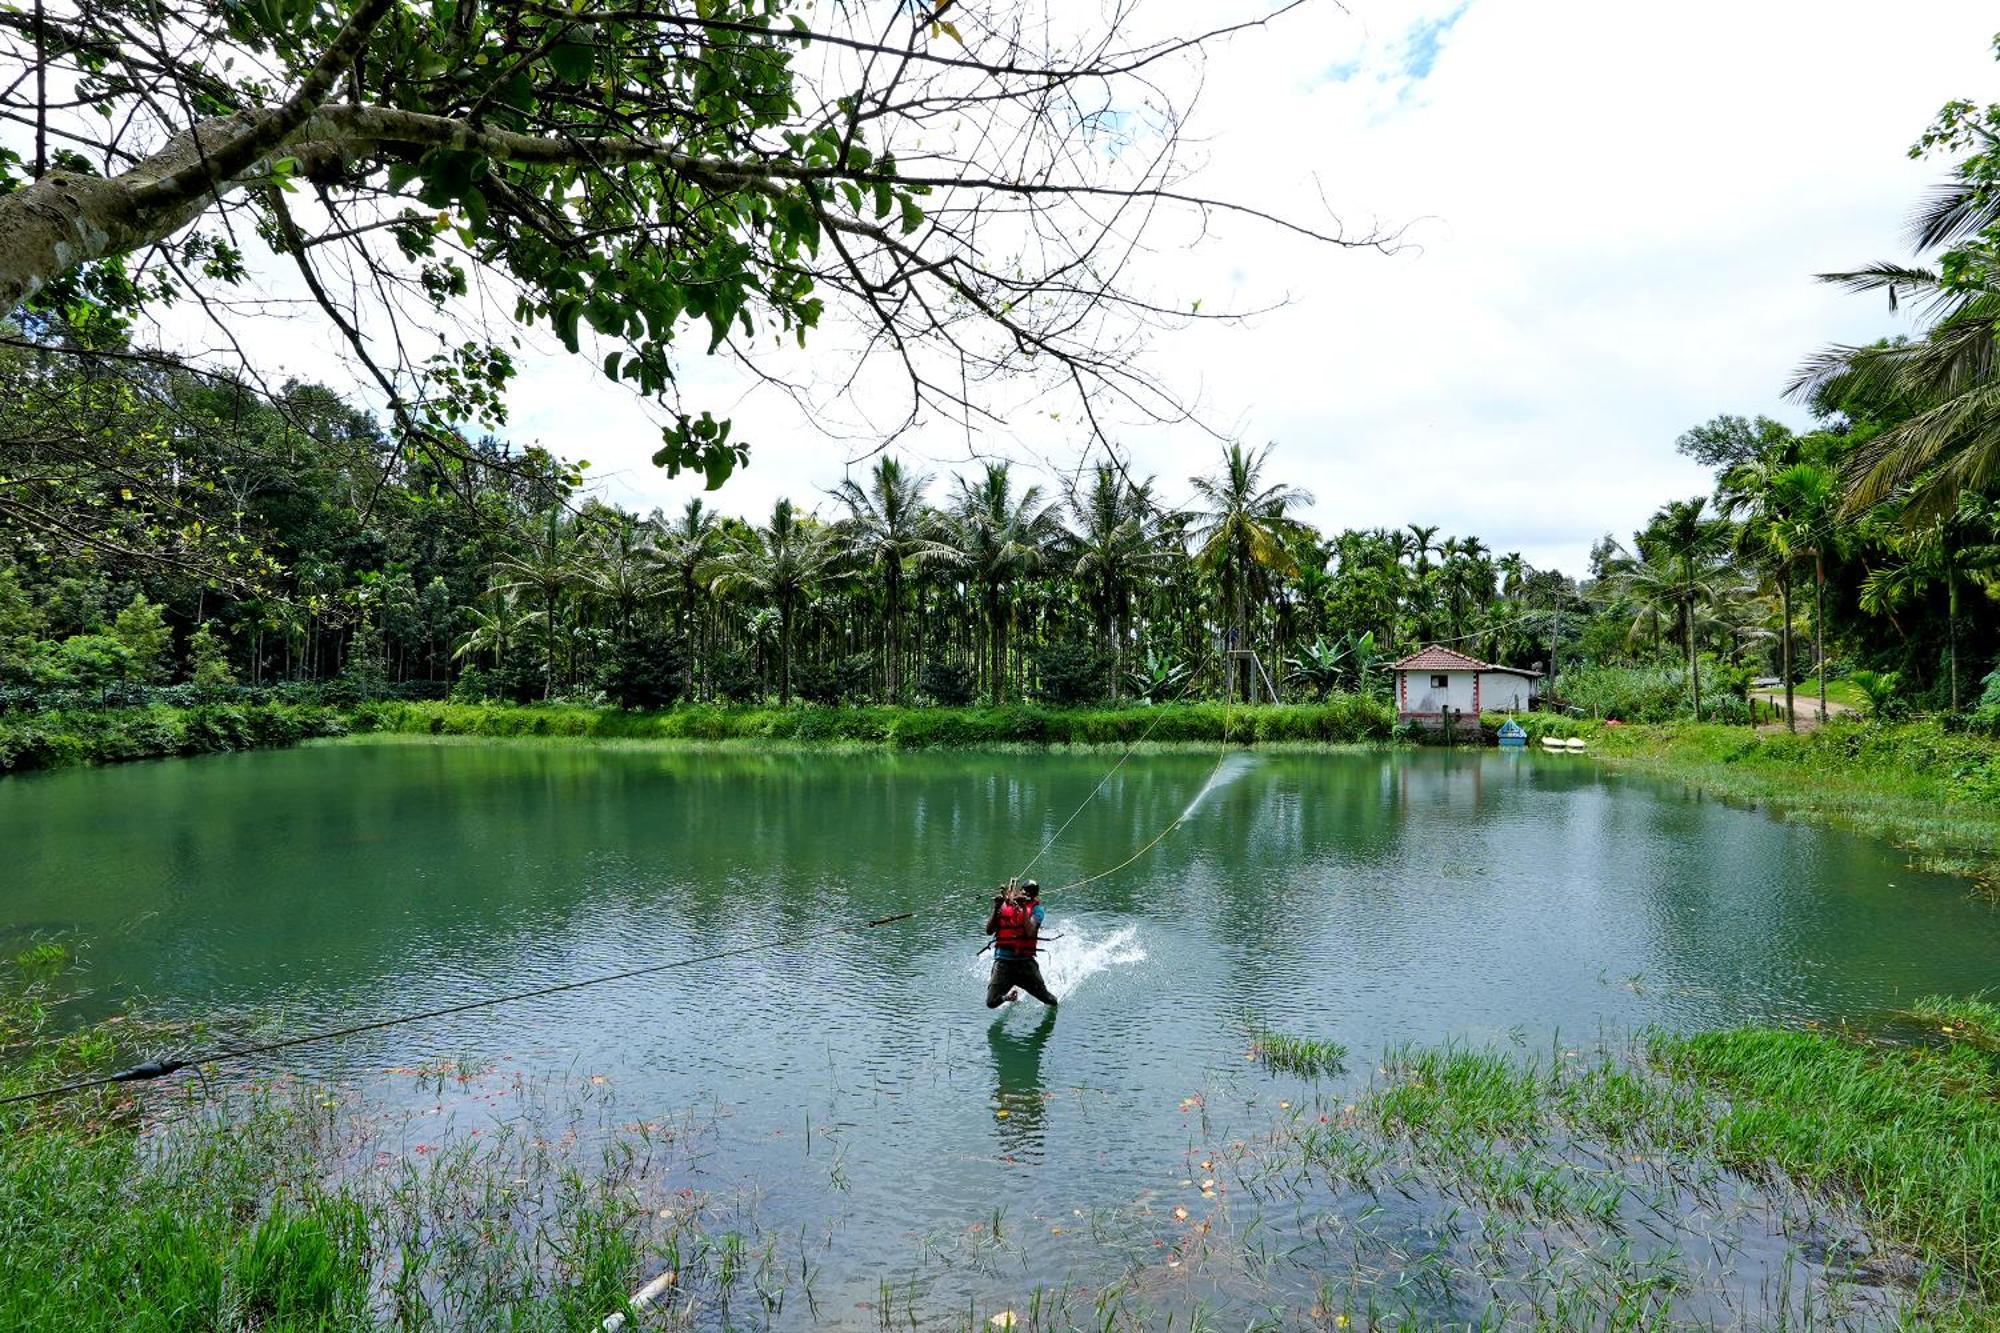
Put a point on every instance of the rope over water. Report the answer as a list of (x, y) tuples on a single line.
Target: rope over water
[(160, 1067)]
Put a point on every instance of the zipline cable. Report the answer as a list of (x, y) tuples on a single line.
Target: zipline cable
[(1193, 675), (151, 1069), (159, 1068)]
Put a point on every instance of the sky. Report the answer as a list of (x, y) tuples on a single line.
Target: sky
[(1611, 215)]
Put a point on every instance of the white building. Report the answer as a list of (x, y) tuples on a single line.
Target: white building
[(1437, 679)]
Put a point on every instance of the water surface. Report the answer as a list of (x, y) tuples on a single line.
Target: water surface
[(1370, 898)]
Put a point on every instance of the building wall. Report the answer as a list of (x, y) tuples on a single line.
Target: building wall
[(1498, 692), (1502, 692), (1417, 695)]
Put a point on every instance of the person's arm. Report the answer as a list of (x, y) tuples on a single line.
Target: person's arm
[(993, 917), (1035, 923)]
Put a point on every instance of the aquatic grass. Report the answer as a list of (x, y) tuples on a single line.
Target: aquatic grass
[(1930, 790), (1339, 720), (1914, 1134), (1286, 1053), (1974, 1020)]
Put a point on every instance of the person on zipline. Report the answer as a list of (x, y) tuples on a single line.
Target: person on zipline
[(1015, 925)]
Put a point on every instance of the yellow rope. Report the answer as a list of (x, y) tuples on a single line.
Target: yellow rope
[(1228, 711)]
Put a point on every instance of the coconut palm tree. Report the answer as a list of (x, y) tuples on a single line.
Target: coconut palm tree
[(1940, 554), (1115, 543), (548, 570), (892, 528), (495, 627), (1943, 439), (1807, 498), (1000, 537), (1749, 492), (618, 571), (681, 548), (1685, 535), (783, 563), (1241, 535)]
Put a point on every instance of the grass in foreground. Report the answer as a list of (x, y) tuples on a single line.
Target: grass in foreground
[(1912, 1133)]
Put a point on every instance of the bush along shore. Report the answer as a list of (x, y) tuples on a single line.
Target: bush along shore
[(1636, 1184), (41, 740)]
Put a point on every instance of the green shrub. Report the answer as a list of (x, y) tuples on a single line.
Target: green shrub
[(948, 681), (1068, 674)]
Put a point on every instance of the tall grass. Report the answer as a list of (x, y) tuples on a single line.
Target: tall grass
[(31, 741), (1913, 1133)]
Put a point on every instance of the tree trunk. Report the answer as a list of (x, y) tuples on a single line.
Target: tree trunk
[(997, 685), (1785, 647), (1819, 628), (549, 655), (784, 650), (894, 588), (1694, 672), (1951, 629)]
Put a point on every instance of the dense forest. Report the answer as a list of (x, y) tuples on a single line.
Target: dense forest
[(209, 537)]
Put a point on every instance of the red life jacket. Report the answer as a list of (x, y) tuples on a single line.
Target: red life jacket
[(1016, 933)]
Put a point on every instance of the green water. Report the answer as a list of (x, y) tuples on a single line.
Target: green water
[(1368, 898)]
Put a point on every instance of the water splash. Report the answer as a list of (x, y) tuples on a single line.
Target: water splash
[(1080, 954), (1232, 767)]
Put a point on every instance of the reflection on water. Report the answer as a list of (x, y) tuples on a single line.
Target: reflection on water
[(1365, 898), (1020, 1101)]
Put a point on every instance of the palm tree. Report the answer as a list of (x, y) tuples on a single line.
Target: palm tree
[(1115, 542), (620, 572), (1241, 536), (1749, 492), (1684, 534), (548, 570), (1944, 387), (999, 537), (494, 628), (784, 563), (1807, 495), (893, 529), (1939, 554), (682, 548)]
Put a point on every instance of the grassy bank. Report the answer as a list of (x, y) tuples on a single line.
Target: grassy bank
[(59, 739), (1342, 720), (30, 741), (1915, 784)]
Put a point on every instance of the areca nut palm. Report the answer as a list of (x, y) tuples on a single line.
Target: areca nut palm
[(784, 562), (894, 530), (1000, 537), (1240, 535)]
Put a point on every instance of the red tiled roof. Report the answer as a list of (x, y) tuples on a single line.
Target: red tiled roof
[(1434, 658)]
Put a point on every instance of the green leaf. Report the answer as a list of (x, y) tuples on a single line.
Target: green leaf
[(573, 62), (913, 217)]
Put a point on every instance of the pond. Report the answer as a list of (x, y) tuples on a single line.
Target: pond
[(1368, 898)]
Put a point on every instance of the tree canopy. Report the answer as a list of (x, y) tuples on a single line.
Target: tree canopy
[(969, 187)]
